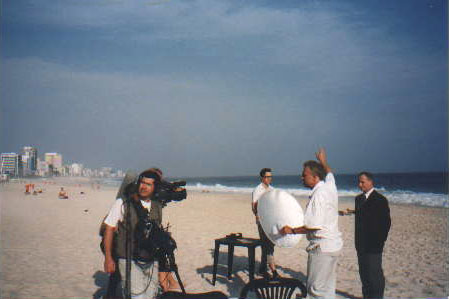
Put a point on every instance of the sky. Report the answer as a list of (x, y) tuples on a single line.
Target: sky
[(226, 87)]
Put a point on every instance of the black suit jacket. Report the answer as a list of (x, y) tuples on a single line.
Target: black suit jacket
[(372, 222)]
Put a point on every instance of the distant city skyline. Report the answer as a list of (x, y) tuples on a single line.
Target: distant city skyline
[(224, 88), (121, 172), (26, 163)]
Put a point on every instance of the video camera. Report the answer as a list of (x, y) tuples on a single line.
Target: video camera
[(170, 191), (165, 191)]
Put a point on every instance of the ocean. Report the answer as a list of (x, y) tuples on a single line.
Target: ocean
[(425, 189)]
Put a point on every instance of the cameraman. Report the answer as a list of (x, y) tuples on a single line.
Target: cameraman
[(144, 277)]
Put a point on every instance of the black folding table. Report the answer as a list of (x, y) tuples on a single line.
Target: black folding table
[(231, 242)]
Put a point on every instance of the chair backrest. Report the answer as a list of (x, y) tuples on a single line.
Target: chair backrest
[(208, 295), (282, 288)]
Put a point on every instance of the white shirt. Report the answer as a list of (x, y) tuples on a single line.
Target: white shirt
[(322, 214), (118, 210), (367, 194), (259, 191)]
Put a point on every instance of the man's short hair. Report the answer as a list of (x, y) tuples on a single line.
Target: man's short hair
[(316, 169), (368, 175), (157, 170), (263, 171), (151, 174)]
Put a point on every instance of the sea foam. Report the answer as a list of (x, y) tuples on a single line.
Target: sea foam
[(399, 197)]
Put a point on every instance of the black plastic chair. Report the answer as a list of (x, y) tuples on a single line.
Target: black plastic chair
[(208, 295), (282, 288)]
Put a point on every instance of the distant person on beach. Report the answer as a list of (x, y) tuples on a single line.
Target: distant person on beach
[(372, 224), (27, 188), (144, 277), (320, 227), (266, 177), (63, 194)]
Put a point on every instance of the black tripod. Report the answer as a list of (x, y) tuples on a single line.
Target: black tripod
[(174, 268)]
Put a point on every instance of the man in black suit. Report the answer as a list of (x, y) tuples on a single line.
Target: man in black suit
[(372, 224)]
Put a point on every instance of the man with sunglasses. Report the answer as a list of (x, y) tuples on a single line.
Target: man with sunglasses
[(266, 178)]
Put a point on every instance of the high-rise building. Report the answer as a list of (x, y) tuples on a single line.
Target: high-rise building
[(105, 172), (29, 160), (54, 162), (42, 168), (76, 169), (11, 164)]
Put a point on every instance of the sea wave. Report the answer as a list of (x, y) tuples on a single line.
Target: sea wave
[(416, 198), (219, 188), (399, 197)]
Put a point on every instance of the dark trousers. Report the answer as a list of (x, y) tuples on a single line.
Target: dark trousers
[(371, 274), (267, 249)]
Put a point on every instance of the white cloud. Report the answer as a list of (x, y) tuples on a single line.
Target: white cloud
[(195, 19), (238, 66), (308, 38)]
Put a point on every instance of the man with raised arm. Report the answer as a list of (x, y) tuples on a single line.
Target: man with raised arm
[(320, 227)]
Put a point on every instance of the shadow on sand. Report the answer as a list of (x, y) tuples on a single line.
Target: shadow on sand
[(239, 272), (239, 278), (101, 280)]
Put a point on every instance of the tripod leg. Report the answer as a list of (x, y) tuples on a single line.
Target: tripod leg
[(114, 280), (179, 280), (174, 268), (128, 250)]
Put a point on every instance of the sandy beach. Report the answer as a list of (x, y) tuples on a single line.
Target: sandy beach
[(50, 247)]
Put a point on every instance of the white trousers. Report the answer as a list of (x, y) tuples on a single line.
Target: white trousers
[(321, 274), (144, 280)]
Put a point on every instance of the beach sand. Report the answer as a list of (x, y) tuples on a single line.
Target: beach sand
[(50, 247)]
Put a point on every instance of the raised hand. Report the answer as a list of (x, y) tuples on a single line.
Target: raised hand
[(322, 158)]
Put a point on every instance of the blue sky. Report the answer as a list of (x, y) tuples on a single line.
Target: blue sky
[(223, 87)]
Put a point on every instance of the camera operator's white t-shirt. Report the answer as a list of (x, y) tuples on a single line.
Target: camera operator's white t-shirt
[(118, 210)]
